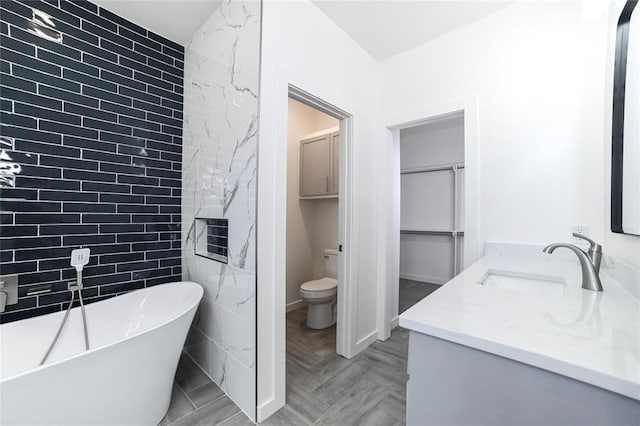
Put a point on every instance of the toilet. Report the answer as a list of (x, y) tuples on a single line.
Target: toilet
[(320, 294)]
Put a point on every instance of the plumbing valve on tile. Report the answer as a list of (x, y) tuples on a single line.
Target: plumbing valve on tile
[(8, 291)]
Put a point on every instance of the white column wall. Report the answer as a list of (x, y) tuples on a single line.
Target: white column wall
[(303, 47), (219, 181)]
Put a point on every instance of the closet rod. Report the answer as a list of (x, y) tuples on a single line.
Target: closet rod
[(432, 232), (432, 169)]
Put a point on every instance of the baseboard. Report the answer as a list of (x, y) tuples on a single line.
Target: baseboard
[(423, 278), (395, 321), (295, 305), (363, 343), (268, 408)]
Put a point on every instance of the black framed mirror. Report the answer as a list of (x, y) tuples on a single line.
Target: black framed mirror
[(625, 154)]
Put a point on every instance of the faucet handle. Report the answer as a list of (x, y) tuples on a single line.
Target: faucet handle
[(593, 246), (9, 286)]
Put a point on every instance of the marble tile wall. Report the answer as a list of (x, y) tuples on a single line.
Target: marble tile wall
[(222, 63)]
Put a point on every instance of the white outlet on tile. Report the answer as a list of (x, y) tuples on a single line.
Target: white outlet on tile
[(582, 230)]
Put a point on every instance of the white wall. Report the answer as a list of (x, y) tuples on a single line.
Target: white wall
[(302, 46), (540, 74), (325, 232), (427, 199), (310, 223), (432, 144), (537, 70)]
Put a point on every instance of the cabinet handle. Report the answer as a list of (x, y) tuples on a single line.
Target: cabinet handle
[(327, 183)]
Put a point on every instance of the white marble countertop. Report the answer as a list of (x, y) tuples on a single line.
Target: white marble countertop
[(588, 336)]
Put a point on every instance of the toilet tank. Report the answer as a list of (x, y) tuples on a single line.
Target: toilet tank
[(331, 263)]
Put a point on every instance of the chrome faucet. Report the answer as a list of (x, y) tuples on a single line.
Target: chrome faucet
[(589, 261)]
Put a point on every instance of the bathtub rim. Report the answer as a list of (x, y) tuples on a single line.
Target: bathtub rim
[(160, 325)]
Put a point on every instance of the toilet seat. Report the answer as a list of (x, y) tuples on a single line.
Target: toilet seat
[(316, 289)]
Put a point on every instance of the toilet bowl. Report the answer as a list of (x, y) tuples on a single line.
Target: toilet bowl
[(320, 295)]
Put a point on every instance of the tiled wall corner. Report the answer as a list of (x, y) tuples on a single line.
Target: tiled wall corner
[(222, 64), (95, 123)]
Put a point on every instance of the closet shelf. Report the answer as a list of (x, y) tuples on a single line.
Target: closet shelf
[(452, 232), (439, 168), (319, 197)]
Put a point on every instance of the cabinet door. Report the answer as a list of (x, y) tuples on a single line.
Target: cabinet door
[(335, 163), (315, 160)]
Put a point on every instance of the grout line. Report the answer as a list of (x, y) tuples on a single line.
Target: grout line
[(198, 365), (307, 421), (186, 395), (199, 387), (240, 413), (233, 415), (98, 77), (206, 405), (169, 98)]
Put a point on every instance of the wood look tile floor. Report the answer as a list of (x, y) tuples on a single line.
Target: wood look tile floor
[(326, 389), (322, 388), (196, 400), (411, 292)]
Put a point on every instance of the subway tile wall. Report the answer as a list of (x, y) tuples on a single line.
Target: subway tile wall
[(95, 123), (217, 237)]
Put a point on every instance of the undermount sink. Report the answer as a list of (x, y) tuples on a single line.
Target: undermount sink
[(547, 285)]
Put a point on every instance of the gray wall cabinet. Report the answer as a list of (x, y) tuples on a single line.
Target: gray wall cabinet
[(319, 166)]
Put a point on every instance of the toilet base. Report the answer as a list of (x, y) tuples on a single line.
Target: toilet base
[(320, 316)]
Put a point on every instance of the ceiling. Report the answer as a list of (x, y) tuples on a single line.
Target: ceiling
[(385, 28), (176, 20)]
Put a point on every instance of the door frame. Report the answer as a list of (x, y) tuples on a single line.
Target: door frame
[(271, 235), (345, 322), (388, 291)]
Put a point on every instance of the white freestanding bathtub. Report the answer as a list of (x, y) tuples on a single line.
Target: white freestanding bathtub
[(124, 379)]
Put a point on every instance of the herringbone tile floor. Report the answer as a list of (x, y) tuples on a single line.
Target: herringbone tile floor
[(322, 388), (326, 389)]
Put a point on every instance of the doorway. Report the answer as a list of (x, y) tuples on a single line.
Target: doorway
[(317, 225), (464, 228), (313, 141), (272, 226), (431, 207), (341, 184), (312, 196)]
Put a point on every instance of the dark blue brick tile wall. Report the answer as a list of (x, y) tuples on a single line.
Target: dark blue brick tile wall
[(95, 123), (217, 233)]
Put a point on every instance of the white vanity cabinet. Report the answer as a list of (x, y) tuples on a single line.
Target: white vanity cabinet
[(512, 354), (453, 384), (319, 171)]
